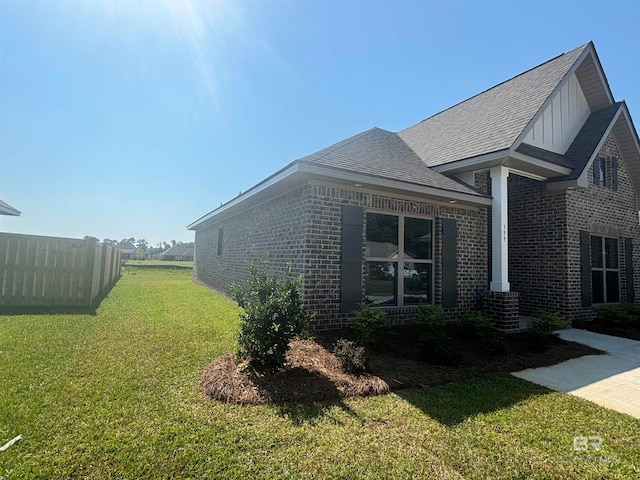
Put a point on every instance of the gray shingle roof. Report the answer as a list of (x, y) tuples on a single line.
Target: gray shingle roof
[(383, 154), (179, 250), (127, 247), (583, 146), (490, 121)]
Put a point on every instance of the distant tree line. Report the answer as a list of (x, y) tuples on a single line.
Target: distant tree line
[(145, 250)]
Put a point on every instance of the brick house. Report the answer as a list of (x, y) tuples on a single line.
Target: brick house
[(180, 252), (521, 199), (128, 250)]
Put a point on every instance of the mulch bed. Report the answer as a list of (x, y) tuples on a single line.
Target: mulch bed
[(313, 374)]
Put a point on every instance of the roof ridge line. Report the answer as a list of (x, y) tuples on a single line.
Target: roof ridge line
[(497, 85), (355, 137)]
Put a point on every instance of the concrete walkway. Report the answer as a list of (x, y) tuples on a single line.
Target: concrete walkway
[(611, 380)]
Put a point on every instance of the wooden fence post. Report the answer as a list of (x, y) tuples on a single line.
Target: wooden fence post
[(90, 247)]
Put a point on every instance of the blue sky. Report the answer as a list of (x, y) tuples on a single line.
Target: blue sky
[(133, 119)]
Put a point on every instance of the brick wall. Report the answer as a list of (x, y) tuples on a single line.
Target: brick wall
[(276, 229), (544, 238), (503, 309), (537, 245), (303, 228), (602, 210), (322, 285)]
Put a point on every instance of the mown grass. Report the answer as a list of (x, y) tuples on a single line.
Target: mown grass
[(159, 263), (115, 395)]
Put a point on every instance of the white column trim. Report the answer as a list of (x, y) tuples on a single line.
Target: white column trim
[(499, 229)]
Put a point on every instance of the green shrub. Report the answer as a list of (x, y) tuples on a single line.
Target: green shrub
[(370, 325), (445, 351), (493, 344), (627, 315), (351, 356), (546, 323), (272, 316), (474, 324), (540, 332), (430, 322)]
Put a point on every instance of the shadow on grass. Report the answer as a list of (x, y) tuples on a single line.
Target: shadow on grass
[(299, 413), (61, 309), (289, 392), (453, 403), (44, 310)]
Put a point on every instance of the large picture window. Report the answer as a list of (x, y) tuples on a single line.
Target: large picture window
[(605, 270), (399, 260)]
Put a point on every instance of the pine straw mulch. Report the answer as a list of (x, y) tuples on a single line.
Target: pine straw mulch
[(313, 374)]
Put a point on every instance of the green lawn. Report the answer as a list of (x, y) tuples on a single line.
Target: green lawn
[(115, 395), (159, 263)]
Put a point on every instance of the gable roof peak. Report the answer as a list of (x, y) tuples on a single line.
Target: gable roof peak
[(572, 53), (492, 120)]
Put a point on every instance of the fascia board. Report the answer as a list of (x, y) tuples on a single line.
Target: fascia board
[(475, 163), (629, 120), (562, 185), (559, 169), (501, 157), (392, 184), (634, 136), (271, 181), (600, 70), (9, 211)]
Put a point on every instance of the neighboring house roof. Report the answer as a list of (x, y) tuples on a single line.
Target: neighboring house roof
[(179, 251), (127, 247), (490, 121), (381, 249), (6, 209), (384, 250)]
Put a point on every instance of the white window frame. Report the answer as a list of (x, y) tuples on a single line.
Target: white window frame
[(400, 260)]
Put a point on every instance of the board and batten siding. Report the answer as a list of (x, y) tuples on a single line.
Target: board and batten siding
[(561, 120)]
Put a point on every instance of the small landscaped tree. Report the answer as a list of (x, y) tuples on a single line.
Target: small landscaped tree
[(272, 316)]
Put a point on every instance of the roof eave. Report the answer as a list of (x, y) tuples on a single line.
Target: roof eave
[(582, 180), (630, 154), (300, 169), (9, 210), (274, 179), (518, 162), (354, 178)]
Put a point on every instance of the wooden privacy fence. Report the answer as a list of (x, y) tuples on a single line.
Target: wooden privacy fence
[(37, 271)]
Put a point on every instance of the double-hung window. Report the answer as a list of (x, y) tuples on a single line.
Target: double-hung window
[(605, 270), (399, 260)]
